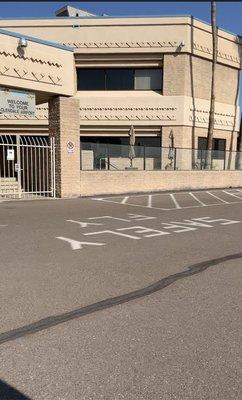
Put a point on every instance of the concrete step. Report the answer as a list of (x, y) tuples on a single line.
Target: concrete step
[(12, 179), (11, 189), (9, 193), (8, 184), (8, 187)]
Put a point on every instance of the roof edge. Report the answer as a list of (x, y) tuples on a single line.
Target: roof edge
[(36, 40), (116, 17)]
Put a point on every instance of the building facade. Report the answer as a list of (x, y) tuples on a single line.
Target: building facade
[(149, 73)]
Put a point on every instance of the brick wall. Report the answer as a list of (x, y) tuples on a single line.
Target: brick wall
[(191, 76), (116, 182), (64, 125)]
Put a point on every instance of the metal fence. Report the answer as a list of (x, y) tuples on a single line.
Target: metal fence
[(101, 156), (27, 166)]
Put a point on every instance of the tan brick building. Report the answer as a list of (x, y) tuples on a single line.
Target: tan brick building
[(152, 73)]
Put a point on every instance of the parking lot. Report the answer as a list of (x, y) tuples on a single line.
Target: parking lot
[(178, 200), (122, 297)]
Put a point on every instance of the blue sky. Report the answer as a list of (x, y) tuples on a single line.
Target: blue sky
[(229, 14)]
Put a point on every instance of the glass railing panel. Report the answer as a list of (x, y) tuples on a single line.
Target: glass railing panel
[(100, 156), (238, 161), (125, 157)]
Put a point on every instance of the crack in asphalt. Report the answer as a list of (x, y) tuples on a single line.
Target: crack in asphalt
[(54, 320)]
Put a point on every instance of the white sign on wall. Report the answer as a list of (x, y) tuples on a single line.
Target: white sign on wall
[(10, 154), (17, 102)]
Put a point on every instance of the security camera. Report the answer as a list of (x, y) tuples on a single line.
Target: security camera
[(182, 44), (23, 42)]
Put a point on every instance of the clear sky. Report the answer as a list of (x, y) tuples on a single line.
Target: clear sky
[(229, 13)]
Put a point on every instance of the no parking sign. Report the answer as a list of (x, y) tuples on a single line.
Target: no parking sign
[(70, 146)]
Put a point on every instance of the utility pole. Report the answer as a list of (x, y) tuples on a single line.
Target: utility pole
[(208, 163)]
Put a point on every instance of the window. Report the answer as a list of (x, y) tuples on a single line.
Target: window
[(91, 79), (219, 146), (151, 141), (119, 79), (147, 79)]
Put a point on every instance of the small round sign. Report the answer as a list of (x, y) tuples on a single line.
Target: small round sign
[(70, 147)]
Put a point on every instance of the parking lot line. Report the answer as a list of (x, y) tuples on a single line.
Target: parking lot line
[(159, 201), (232, 194), (216, 197), (150, 200), (124, 200), (199, 201), (175, 201)]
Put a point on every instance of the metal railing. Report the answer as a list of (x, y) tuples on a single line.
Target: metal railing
[(102, 156)]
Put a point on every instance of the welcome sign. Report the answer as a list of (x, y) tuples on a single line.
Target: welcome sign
[(17, 102)]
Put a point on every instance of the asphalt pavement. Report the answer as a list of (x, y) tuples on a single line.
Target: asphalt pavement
[(122, 297)]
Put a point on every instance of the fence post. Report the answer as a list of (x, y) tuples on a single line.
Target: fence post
[(19, 167), (80, 143), (53, 167), (201, 162), (144, 158), (174, 158), (108, 156), (224, 160)]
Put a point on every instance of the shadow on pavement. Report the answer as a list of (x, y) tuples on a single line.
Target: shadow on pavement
[(8, 392)]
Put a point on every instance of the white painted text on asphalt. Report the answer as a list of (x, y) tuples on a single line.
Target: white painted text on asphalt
[(137, 232)]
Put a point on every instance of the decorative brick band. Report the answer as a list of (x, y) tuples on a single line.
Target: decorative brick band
[(29, 75), (114, 45), (208, 50)]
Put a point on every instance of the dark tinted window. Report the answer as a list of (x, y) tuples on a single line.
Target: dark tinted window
[(202, 143), (219, 146), (139, 141), (119, 79), (91, 79), (219, 149)]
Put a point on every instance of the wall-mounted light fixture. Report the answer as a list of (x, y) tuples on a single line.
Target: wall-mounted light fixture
[(22, 42)]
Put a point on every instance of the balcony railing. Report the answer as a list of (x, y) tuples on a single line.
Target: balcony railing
[(114, 157)]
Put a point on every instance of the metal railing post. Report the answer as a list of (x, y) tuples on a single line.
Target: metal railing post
[(19, 167), (108, 148), (144, 158), (52, 166), (80, 144)]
